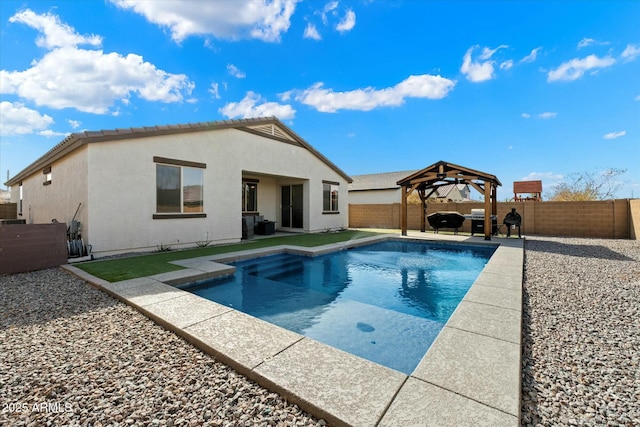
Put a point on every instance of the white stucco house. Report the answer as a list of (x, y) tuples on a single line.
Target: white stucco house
[(383, 188), (134, 189)]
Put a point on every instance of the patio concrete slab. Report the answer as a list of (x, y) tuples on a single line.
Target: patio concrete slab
[(241, 340), (498, 280), (148, 294), (127, 284), (247, 254), (489, 320), (508, 257), (422, 404), (184, 311), (206, 266), (475, 366), (492, 295), (345, 388), (180, 277), (510, 270)]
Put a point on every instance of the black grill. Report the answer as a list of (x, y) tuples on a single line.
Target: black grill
[(513, 220)]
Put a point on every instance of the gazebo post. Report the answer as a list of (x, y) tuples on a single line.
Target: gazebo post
[(494, 200), (423, 199), (403, 212), (487, 211)]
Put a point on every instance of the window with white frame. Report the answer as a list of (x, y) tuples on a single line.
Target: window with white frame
[(47, 175), (179, 187), (330, 191), (20, 201)]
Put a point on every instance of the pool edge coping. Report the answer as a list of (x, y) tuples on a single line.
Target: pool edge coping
[(460, 388)]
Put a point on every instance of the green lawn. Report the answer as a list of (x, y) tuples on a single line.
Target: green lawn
[(114, 270)]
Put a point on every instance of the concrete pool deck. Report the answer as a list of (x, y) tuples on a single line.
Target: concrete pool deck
[(469, 376)]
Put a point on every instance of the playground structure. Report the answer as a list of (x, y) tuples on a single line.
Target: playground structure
[(532, 190)]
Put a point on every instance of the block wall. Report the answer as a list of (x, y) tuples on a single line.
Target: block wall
[(374, 216), (634, 219), (610, 219)]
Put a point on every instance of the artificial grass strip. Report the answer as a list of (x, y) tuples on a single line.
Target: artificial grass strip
[(114, 270)]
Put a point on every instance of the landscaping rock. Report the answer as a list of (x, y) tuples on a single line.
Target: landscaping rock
[(581, 332), (72, 355)]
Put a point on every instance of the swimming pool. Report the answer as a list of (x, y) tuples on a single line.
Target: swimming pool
[(384, 302)]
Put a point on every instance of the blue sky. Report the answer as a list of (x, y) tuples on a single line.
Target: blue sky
[(522, 90)]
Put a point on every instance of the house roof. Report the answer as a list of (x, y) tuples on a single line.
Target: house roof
[(444, 190), (269, 127), (378, 181)]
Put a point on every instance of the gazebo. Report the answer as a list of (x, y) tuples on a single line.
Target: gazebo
[(428, 180)]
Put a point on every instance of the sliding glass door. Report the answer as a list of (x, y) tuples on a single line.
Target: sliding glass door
[(292, 213)]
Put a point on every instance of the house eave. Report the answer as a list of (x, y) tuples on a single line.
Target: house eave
[(77, 140)]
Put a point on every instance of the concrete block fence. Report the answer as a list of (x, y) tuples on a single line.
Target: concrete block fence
[(609, 219)]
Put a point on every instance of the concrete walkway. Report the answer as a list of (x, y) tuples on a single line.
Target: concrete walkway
[(469, 376)]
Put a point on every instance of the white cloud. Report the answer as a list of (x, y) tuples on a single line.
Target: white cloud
[(630, 53), (235, 72), (347, 23), (536, 176), (506, 64), (89, 80), (330, 101), (75, 124), (575, 68), (587, 41), (332, 15), (311, 32), (265, 20), (614, 135), (488, 53), (49, 133), (328, 8), (54, 33), (252, 106), (482, 70), (213, 90), (546, 115), (20, 120), (286, 96), (532, 56)]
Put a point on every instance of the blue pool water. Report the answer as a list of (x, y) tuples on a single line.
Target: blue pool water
[(384, 302)]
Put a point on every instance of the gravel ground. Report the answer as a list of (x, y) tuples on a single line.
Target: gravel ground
[(581, 353), (71, 355)]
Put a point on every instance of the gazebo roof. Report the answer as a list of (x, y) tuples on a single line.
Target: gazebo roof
[(448, 173)]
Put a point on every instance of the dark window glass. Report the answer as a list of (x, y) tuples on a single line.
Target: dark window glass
[(249, 196), (192, 191), (326, 197), (167, 189)]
